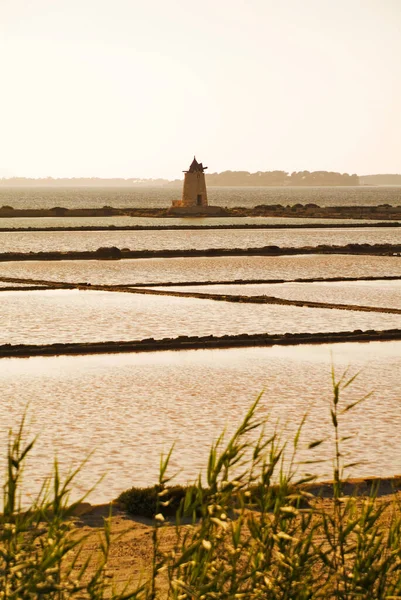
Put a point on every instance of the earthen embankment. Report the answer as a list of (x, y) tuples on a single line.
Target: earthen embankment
[(114, 253), (193, 227), (184, 342), (310, 210), (256, 281)]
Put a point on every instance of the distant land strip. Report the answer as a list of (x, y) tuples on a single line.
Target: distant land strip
[(184, 342), (276, 178), (310, 210), (190, 227), (114, 253)]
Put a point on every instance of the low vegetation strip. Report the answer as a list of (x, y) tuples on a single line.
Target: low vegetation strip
[(142, 501), (114, 253), (185, 342)]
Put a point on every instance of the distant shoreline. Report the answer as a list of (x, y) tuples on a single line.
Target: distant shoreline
[(176, 185), (277, 178), (310, 211)]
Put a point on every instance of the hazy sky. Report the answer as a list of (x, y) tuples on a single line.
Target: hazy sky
[(125, 88)]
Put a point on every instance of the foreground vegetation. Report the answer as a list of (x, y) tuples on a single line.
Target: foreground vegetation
[(249, 530)]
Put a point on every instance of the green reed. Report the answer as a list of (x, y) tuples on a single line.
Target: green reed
[(40, 558)]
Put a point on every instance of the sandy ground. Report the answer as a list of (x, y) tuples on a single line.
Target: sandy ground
[(131, 543), (131, 538)]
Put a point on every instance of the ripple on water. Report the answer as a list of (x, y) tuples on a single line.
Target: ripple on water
[(64, 241), (222, 268), (44, 317), (131, 407), (381, 293), (17, 222), (162, 196)]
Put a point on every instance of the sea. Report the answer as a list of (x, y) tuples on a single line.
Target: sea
[(162, 196)]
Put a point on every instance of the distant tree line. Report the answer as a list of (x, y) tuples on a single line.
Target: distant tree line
[(226, 178), (79, 181), (389, 179), (281, 178)]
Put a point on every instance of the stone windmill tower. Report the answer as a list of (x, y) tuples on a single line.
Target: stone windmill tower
[(194, 190), (194, 195)]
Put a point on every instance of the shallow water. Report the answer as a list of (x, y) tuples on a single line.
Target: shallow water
[(141, 196), (222, 268), (130, 408), (364, 293), (46, 222), (61, 241), (45, 317)]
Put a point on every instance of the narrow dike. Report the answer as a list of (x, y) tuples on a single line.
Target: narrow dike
[(309, 210), (260, 300), (246, 226), (118, 286), (194, 342), (260, 281), (114, 253), (43, 284)]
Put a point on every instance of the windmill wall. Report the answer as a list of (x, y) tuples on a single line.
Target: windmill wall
[(194, 191)]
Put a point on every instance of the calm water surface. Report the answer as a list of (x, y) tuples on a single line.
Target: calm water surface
[(365, 293), (166, 240), (48, 197), (74, 316), (130, 408), (222, 268), (45, 222)]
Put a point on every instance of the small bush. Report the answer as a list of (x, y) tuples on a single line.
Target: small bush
[(109, 252), (144, 501), (59, 211)]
